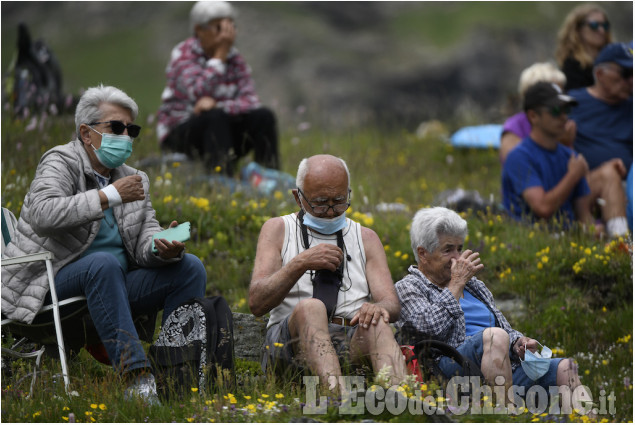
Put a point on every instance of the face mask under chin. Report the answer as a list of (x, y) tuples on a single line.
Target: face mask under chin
[(326, 226)]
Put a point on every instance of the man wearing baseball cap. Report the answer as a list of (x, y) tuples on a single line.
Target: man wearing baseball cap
[(543, 179), (604, 119)]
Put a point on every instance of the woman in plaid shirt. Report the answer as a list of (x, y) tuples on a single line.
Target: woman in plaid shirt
[(209, 107), (442, 300)]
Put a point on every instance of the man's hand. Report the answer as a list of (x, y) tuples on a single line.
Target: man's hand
[(463, 269), (205, 103), (130, 188), (323, 256), (370, 314), (225, 37), (619, 166), (519, 346), (578, 166), (568, 137), (169, 249)]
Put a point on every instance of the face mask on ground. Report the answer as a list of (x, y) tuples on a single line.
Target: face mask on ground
[(326, 226), (114, 150), (536, 364)]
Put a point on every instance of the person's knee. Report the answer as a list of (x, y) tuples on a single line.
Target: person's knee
[(309, 311), (194, 268), (375, 336), (214, 114), (606, 175), (265, 115), (567, 373), (104, 263), (495, 340)]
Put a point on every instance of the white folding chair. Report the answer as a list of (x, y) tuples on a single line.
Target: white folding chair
[(8, 227)]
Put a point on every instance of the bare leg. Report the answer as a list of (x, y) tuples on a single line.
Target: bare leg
[(495, 361), (605, 182), (308, 325), (568, 375), (378, 343)]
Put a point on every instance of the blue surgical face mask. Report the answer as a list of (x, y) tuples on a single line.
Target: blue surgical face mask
[(326, 226), (115, 149), (536, 364)]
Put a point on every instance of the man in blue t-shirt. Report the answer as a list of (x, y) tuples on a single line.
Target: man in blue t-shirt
[(604, 119), (543, 179)]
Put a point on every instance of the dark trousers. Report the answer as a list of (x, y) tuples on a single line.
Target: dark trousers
[(220, 139)]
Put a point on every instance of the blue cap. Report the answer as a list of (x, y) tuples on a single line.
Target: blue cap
[(619, 53)]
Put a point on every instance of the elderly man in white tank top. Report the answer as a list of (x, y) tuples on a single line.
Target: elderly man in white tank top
[(326, 282)]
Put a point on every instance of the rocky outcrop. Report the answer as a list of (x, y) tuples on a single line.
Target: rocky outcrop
[(249, 336)]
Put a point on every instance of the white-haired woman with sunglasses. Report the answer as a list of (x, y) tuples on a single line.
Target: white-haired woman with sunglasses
[(583, 34), (209, 107), (94, 214)]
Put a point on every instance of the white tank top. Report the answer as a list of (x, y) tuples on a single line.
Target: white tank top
[(354, 291)]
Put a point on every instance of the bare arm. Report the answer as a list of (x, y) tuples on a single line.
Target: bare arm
[(386, 303), (271, 281), (545, 204), (508, 142)]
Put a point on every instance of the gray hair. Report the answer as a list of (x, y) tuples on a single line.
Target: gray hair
[(430, 223), (204, 11), (88, 111), (303, 170)]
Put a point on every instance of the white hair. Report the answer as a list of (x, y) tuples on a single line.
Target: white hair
[(303, 170), (429, 224), (88, 111), (204, 11), (540, 71)]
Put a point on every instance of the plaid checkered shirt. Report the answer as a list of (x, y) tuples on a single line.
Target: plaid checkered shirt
[(192, 75)]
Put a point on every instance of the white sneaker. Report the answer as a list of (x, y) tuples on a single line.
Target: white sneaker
[(145, 388)]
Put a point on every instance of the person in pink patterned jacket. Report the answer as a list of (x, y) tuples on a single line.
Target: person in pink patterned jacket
[(209, 107)]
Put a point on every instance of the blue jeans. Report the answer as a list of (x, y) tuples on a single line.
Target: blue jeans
[(472, 348), (113, 295)]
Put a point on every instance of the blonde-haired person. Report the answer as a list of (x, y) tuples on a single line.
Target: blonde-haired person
[(517, 127), (583, 34)]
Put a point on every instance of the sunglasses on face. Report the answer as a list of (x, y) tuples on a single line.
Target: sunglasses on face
[(556, 111), (595, 25), (626, 73), (119, 127)]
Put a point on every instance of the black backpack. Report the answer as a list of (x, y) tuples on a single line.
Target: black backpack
[(195, 340)]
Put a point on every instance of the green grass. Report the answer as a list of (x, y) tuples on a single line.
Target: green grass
[(577, 291)]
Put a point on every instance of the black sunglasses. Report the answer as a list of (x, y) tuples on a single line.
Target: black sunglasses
[(556, 111), (595, 25), (627, 73), (119, 127)]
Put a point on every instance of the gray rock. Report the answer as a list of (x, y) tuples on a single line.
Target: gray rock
[(249, 336)]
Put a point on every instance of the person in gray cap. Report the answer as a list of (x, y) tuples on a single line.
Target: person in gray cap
[(543, 179), (209, 107), (604, 119)]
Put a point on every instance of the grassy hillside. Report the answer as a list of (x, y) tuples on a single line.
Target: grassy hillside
[(569, 291)]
